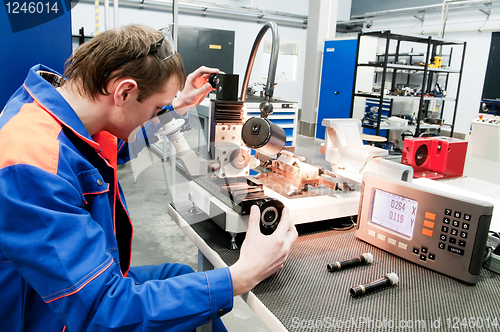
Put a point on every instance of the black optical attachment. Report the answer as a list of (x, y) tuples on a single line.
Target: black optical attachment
[(365, 258), (164, 116), (389, 280)]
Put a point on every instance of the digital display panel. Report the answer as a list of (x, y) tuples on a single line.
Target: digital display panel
[(394, 212)]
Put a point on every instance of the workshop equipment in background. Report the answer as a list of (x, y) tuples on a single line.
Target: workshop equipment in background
[(435, 157), (490, 106), (226, 190), (483, 152), (435, 62), (350, 158)]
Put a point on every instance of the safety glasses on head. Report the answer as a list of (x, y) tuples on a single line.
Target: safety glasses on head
[(163, 49)]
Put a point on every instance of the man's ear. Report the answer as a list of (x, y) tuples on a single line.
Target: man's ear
[(124, 91)]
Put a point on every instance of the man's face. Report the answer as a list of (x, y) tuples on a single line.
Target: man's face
[(139, 113)]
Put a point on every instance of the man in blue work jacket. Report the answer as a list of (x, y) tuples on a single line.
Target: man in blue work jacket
[(65, 233)]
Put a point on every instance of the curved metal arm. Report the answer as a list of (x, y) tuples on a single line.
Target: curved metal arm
[(272, 65)]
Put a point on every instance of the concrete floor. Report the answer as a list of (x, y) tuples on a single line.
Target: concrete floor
[(147, 184)]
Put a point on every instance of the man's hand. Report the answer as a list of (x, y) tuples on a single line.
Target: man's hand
[(261, 255), (195, 90)]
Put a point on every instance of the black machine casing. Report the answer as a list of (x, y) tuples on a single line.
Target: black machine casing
[(226, 86)]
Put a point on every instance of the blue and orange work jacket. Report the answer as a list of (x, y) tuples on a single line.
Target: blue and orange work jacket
[(65, 233)]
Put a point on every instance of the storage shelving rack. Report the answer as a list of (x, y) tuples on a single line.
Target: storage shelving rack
[(433, 46)]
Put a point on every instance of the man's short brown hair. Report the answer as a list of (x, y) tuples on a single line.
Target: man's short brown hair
[(93, 65)]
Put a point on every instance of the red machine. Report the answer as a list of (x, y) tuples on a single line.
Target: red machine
[(435, 157)]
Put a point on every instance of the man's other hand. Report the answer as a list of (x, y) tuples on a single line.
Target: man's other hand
[(261, 255)]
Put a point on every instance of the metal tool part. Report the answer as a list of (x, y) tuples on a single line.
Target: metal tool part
[(389, 280), (365, 258), (264, 136)]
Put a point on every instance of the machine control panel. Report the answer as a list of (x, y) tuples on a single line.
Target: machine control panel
[(440, 231)]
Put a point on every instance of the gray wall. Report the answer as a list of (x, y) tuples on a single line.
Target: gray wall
[(359, 7)]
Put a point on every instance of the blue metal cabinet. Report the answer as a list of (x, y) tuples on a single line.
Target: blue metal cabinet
[(48, 43), (337, 77)]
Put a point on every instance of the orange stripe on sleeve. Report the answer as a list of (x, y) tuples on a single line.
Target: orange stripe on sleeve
[(82, 285)]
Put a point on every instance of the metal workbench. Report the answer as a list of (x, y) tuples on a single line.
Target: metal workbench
[(304, 296)]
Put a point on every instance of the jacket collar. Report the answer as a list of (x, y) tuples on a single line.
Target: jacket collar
[(52, 102)]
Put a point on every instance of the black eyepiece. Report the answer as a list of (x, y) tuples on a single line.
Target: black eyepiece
[(165, 116), (270, 215)]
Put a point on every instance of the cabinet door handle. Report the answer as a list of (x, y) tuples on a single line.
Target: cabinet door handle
[(336, 92)]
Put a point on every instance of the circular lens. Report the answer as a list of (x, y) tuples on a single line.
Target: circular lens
[(240, 158), (269, 216), (421, 155)]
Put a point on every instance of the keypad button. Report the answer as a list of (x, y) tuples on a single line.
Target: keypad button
[(428, 224), (453, 240), (456, 223), (427, 232), (416, 251), (458, 214), (432, 256), (461, 243), (403, 245), (444, 229), (446, 220), (423, 257), (441, 245), (467, 217), (455, 250), (454, 232), (424, 250), (443, 237), (465, 225), (463, 235), (430, 216), (447, 212)]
